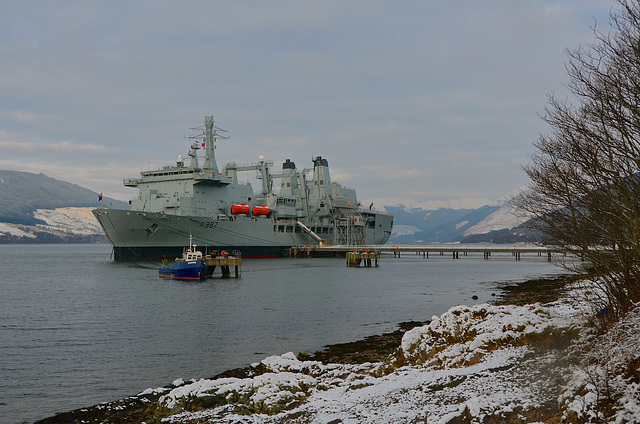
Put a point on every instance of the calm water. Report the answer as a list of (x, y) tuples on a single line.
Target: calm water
[(77, 329)]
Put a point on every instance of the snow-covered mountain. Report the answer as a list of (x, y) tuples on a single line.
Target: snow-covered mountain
[(506, 217), (498, 223), (78, 221), (60, 225), (35, 208)]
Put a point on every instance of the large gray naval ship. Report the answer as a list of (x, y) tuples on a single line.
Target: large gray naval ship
[(221, 213)]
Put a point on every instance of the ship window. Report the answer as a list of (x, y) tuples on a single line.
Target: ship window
[(325, 231), (274, 228), (281, 228), (289, 229), (330, 230), (298, 230)]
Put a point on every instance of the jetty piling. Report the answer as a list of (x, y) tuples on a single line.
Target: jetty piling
[(224, 263), (354, 259)]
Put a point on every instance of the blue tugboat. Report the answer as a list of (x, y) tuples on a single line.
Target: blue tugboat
[(190, 266)]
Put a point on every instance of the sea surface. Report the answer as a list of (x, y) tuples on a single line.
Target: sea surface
[(77, 329)]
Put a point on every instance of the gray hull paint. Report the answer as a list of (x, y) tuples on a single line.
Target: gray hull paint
[(149, 235)]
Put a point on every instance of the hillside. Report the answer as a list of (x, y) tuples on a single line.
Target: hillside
[(60, 225), (22, 193), (35, 208)]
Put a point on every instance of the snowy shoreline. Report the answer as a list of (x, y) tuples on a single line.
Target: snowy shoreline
[(470, 360), (283, 387), (480, 363)]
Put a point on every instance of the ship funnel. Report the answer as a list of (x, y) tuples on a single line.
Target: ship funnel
[(321, 172)]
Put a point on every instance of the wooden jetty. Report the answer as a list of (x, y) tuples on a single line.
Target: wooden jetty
[(362, 257), (224, 262), (452, 250)]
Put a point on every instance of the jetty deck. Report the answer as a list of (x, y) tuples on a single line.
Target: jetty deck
[(224, 263), (364, 257), (453, 251)]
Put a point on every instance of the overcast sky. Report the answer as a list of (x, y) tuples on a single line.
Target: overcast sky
[(422, 103)]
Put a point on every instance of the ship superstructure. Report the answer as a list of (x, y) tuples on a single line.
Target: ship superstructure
[(223, 213)]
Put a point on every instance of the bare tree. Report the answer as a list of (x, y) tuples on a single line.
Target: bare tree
[(585, 174)]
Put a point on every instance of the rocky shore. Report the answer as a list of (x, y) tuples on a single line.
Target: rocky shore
[(146, 406)]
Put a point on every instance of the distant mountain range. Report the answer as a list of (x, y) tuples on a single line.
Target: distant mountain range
[(488, 224), (35, 208)]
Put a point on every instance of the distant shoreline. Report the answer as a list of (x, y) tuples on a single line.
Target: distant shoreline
[(48, 238)]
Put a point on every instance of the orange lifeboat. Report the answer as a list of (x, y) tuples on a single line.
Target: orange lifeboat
[(261, 210), (240, 209)]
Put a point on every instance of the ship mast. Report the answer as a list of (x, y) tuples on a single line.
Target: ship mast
[(209, 147), (211, 134)]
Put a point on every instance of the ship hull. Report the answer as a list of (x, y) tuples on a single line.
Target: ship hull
[(154, 236)]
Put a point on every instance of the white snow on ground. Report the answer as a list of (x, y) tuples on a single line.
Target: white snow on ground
[(77, 221), (605, 372), (15, 230), (71, 220), (470, 360)]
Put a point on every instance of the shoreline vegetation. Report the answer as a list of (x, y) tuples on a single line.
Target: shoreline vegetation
[(149, 407)]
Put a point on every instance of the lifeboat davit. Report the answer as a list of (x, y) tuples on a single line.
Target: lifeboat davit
[(242, 208), (261, 210)]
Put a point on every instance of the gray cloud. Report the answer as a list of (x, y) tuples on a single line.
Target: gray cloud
[(411, 101)]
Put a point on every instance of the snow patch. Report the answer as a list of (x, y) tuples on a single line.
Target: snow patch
[(70, 220), (14, 230), (461, 224), (506, 217), (608, 371), (464, 334), (405, 230)]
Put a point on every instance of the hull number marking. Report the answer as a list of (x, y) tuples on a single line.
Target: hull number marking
[(208, 224)]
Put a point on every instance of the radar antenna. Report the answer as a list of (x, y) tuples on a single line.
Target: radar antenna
[(207, 139)]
